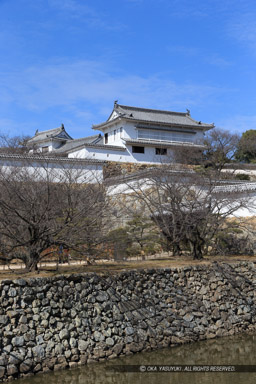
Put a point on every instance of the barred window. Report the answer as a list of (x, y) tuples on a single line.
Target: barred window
[(161, 151)]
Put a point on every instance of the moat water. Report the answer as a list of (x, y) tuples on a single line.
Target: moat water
[(227, 351)]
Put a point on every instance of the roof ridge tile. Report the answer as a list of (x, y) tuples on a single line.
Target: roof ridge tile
[(151, 110)]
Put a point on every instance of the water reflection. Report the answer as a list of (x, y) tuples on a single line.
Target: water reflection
[(237, 350)]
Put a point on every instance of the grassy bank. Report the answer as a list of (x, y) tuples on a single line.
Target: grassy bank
[(112, 267)]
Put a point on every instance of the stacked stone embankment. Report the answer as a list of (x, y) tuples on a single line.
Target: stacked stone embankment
[(52, 323)]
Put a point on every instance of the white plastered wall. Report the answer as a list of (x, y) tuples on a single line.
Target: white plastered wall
[(82, 172), (126, 156), (129, 131)]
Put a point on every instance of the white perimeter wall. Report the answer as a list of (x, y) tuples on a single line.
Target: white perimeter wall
[(81, 172)]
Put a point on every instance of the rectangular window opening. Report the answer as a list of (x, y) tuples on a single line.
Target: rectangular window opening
[(138, 149), (161, 151), (106, 138)]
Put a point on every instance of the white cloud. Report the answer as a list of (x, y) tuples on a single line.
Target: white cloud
[(80, 10), (199, 9), (241, 26), (244, 29), (70, 85), (218, 61), (212, 58), (183, 50), (71, 6)]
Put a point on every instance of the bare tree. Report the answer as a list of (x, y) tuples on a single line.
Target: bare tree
[(189, 207), (16, 144), (44, 207), (217, 148), (185, 155), (220, 148)]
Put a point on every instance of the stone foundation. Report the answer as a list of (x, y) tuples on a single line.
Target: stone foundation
[(54, 323)]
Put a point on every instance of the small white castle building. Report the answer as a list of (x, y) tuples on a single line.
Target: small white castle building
[(130, 134)]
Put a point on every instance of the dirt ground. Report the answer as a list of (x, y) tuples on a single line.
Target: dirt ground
[(112, 267)]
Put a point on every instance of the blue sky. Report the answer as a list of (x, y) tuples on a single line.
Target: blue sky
[(66, 61)]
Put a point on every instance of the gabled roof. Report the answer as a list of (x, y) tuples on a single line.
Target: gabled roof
[(56, 133), (153, 116), (74, 144), (97, 146), (95, 141)]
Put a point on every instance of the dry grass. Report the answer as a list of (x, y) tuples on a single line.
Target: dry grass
[(115, 267)]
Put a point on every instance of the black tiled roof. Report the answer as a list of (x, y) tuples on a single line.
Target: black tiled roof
[(155, 116), (52, 158)]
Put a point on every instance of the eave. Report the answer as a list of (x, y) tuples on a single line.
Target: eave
[(161, 143), (97, 146), (47, 140), (53, 159), (107, 124)]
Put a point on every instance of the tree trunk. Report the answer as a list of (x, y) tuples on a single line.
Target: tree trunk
[(176, 250), (196, 250), (32, 261)]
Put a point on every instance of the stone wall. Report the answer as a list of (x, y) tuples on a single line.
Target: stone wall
[(113, 169), (52, 323)]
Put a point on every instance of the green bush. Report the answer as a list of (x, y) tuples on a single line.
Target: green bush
[(242, 176)]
